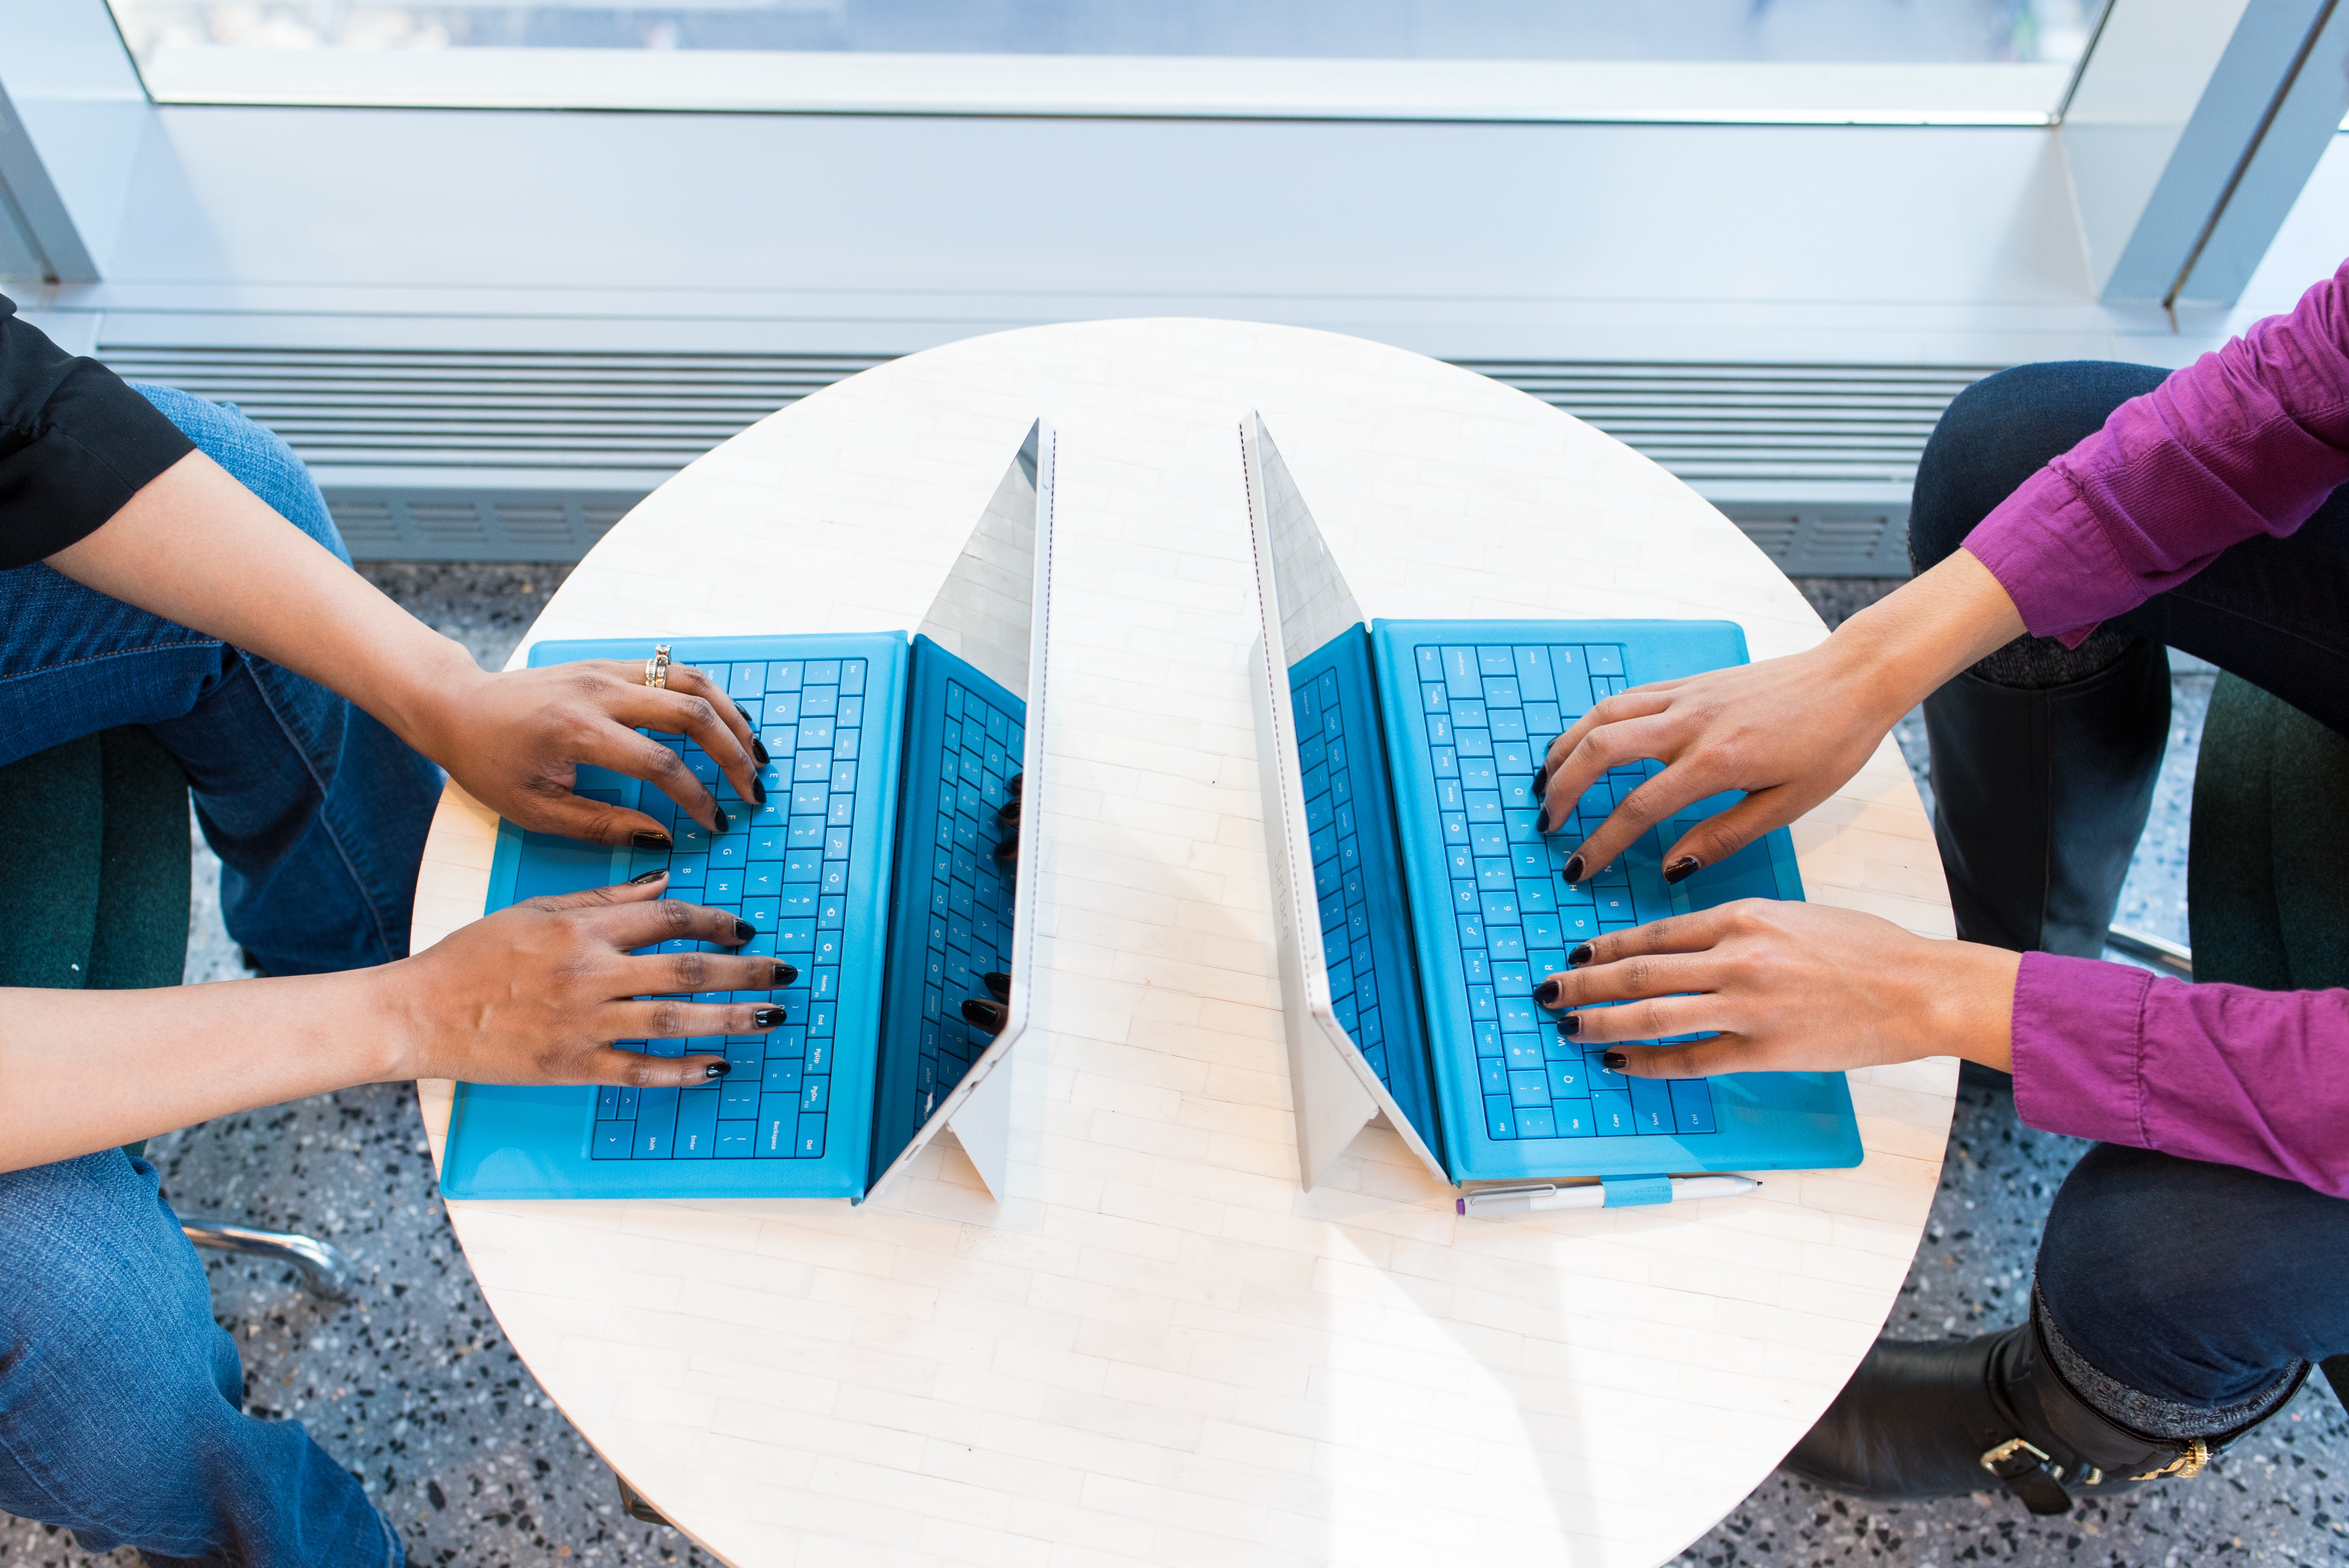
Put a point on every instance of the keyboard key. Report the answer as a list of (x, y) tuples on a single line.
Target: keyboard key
[(1531, 666), (1528, 1089), (1692, 1105), (1462, 675), (736, 1139), (608, 1102), (697, 1124), (1573, 1117), (656, 1123), (811, 1137), (1536, 1121), (1500, 1117), (1651, 1105), (1494, 1072), (1567, 1079), (1610, 1112), (612, 1140), (779, 1123)]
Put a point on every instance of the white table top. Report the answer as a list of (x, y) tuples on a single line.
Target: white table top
[(1159, 1349)]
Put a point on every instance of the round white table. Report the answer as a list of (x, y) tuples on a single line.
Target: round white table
[(1159, 1349)]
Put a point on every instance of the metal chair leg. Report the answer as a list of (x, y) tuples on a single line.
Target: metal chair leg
[(326, 1271), (632, 1503)]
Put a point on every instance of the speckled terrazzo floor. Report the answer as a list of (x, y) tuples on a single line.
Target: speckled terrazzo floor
[(413, 1388)]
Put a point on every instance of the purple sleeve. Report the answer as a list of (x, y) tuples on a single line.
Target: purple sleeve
[(2245, 441), (2227, 1074)]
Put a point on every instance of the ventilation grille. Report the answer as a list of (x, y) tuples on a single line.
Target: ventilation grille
[(380, 525), (349, 407), (1811, 431)]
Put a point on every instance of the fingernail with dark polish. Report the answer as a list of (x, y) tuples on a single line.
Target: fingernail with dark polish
[(645, 879), (1011, 785), (981, 1014), (998, 985), (724, 822), (785, 974), (1574, 867), (1570, 1025), (1008, 851), (1541, 823), (717, 1069), (1009, 816), (1615, 1060), (1680, 869), (759, 750), (1579, 958), (758, 790), (743, 932), (766, 1018), (653, 841), (1547, 993)]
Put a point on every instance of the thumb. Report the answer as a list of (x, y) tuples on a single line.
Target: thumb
[(1722, 835), (640, 889), (635, 1070), (590, 822)]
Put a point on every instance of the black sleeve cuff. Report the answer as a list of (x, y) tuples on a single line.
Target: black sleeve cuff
[(75, 444)]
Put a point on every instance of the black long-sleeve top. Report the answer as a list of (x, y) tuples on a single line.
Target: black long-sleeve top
[(76, 443)]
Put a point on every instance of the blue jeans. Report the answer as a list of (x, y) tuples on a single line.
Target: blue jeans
[(120, 1400), (317, 812), (2200, 1285)]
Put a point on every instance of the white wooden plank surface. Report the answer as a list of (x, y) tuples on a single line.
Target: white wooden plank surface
[(1158, 1350)]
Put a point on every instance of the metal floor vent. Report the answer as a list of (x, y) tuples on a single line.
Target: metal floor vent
[(390, 524), (573, 433)]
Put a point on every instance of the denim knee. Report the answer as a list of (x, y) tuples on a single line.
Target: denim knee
[(2000, 432), (2195, 1283), (108, 1353), (258, 458)]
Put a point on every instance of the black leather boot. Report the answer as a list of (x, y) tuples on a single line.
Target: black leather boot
[(1940, 1420)]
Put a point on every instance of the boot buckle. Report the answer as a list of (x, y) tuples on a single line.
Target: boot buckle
[(2186, 1465), (2008, 1449)]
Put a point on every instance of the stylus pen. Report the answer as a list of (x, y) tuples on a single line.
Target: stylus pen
[(1536, 1199)]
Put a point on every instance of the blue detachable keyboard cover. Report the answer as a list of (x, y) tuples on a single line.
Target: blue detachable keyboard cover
[(950, 924), (807, 1110), (1438, 988)]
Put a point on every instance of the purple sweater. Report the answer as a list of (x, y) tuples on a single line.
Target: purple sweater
[(2245, 441)]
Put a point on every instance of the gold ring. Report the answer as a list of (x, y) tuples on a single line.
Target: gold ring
[(656, 667)]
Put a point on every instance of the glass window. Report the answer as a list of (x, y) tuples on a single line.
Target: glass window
[(1891, 60)]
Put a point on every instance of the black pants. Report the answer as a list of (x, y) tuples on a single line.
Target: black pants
[(2197, 1284)]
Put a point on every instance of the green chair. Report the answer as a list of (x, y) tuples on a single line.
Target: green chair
[(99, 900), (2267, 873)]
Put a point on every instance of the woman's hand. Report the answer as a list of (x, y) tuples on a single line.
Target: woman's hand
[(532, 994), (1789, 732), (197, 547), (536, 993), (1787, 987), (517, 740)]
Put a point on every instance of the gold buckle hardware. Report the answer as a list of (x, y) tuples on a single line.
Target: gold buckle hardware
[(2186, 1465), (2008, 1449)]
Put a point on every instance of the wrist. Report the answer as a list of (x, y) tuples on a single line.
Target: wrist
[(1969, 1010), (1905, 646), (396, 1042), (421, 691)]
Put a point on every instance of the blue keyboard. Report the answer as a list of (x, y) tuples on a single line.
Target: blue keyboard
[(838, 872), (792, 868), (1349, 823), (1488, 714), (1418, 742), (954, 903)]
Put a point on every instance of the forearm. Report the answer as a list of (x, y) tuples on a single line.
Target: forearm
[(2226, 1074), (196, 547), (86, 1070), (1898, 650)]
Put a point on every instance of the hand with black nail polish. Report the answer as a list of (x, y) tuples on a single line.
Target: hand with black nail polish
[(1779, 987), (537, 993), (998, 985), (515, 741), (981, 1014)]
